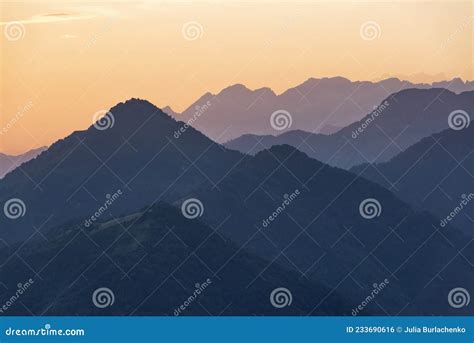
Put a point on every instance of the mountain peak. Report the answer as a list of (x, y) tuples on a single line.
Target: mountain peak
[(236, 88), (129, 115), (133, 102), (282, 152)]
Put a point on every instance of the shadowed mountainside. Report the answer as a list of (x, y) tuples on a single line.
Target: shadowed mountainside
[(435, 174), (152, 269), (400, 121), (321, 236)]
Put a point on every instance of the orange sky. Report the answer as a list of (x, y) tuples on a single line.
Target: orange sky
[(68, 60)]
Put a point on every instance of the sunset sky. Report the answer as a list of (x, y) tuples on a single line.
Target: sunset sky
[(68, 60)]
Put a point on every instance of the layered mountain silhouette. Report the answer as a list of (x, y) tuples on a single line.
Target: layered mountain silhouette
[(436, 174), (399, 121), (320, 245), (9, 162), (152, 269), (137, 154), (314, 105)]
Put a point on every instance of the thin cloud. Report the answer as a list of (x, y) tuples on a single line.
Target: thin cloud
[(79, 13)]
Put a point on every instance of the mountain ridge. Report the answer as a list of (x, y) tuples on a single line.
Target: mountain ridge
[(9, 162), (101, 175), (439, 190), (335, 101), (402, 119)]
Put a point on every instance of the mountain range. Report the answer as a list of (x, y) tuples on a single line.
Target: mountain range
[(435, 174), (318, 105), (399, 121), (152, 269), (99, 208), (8, 162)]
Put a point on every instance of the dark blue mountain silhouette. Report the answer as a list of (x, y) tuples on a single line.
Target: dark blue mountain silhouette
[(321, 236), (436, 174), (152, 269), (138, 155)]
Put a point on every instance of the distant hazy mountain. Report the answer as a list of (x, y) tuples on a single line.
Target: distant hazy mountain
[(401, 120), (168, 110), (329, 129), (314, 104), (436, 174), (8, 162), (321, 235)]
